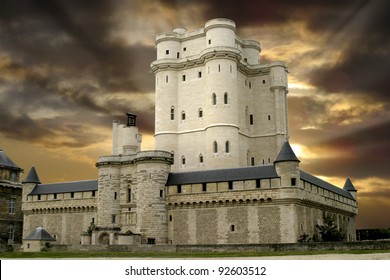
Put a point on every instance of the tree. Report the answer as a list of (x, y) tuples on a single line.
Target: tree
[(329, 231)]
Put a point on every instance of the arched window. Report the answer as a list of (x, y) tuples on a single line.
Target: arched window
[(227, 147), (215, 147), (200, 113), (225, 98), (214, 99), (172, 113)]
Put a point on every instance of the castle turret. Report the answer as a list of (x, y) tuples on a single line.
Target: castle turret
[(125, 138), (349, 187), (30, 182), (287, 166)]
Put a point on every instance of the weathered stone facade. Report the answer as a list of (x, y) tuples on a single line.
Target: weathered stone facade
[(223, 171), (11, 217)]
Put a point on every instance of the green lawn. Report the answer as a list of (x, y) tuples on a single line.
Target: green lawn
[(180, 255)]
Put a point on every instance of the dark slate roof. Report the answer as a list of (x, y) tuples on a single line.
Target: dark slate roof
[(325, 185), (32, 177), (66, 187), (286, 154), (40, 234), (222, 175), (5, 161), (348, 186)]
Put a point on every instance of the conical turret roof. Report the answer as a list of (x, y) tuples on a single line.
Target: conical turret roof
[(5, 161), (40, 234), (32, 177), (348, 186), (286, 154)]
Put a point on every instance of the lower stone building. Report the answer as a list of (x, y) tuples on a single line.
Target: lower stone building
[(138, 200), (11, 217)]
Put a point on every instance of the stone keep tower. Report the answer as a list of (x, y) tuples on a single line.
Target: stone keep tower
[(131, 197), (216, 105)]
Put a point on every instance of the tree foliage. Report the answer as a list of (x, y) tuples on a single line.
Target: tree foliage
[(329, 231)]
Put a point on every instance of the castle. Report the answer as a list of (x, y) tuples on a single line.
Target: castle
[(223, 171)]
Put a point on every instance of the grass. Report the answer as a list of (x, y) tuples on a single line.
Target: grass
[(167, 255)]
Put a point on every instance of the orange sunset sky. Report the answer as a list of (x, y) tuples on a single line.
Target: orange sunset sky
[(69, 68)]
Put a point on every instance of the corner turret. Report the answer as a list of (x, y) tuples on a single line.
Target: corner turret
[(31, 181), (349, 187), (287, 166)]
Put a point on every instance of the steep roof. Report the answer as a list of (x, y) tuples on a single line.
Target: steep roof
[(40, 234), (348, 186), (5, 161), (323, 184), (66, 187), (32, 177), (286, 154), (222, 175)]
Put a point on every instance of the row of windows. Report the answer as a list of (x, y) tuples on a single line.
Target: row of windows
[(230, 186), (55, 196), (201, 158)]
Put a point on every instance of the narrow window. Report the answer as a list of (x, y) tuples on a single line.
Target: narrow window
[(161, 193), (129, 195), (214, 99), (245, 59), (184, 49), (55, 196), (115, 195), (258, 184), (72, 195), (232, 228), (293, 181), (219, 67), (227, 147), (183, 78), (113, 218), (178, 55), (215, 147), (199, 74), (166, 51), (173, 157), (230, 185), (251, 119), (166, 78), (210, 42), (200, 113), (183, 115), (183, 160), (172, 113), (250, 85), (178, 188), (263, 81), (11, 206), (252, 161), (204, 187), (11, 232), (269, 117), (201, 158), (93, 193), (39, 197), (225, 98), (170, 218)]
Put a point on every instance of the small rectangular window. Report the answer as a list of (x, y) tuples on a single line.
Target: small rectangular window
[(263, 81), (178, 55), (161, 193), (293, 181), (72, 195), (251, 119), (166, 51), (128, 195), (258, 184), (178, 188), (115, 195), (269, 117), (252, 161), (210, 42), (232, 228), (170, 218), (183, 78), (11, 206), (199, 74), (151, 241), (113, 218), (184, 49), (204, 187), (39, 197), (166, 78), (93, 193), (230, 185), (55, 196)]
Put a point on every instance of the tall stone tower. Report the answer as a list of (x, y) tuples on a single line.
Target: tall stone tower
[(216, 105)]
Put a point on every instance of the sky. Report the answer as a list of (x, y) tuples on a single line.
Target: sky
[(69, 68)]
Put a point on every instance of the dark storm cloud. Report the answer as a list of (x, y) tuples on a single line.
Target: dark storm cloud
[(364, 153)]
